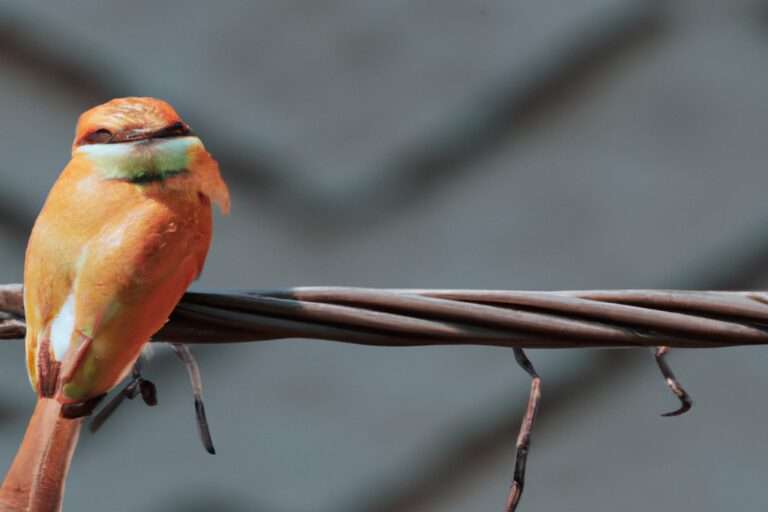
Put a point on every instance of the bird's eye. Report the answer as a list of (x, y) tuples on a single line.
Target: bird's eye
[(99, 136)]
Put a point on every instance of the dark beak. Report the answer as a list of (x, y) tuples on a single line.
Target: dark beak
[(177, 129)]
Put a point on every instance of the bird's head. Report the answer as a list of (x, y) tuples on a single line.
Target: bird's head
[(129, 120), (143, 141)]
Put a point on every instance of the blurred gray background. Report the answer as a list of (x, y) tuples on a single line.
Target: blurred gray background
[(503, 144)]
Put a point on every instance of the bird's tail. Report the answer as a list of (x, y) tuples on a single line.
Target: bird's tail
[(36, 479)]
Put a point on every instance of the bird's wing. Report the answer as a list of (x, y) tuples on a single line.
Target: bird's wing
[(131, 279), (128, 275)]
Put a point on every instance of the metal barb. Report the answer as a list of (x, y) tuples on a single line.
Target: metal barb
[(524, 436), (659, 353), (193, 369), (137, 385)]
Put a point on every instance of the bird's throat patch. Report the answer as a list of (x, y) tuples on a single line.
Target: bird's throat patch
[(142, 162), (147, 177)]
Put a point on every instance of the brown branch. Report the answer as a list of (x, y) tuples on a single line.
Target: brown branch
[(569, 319)]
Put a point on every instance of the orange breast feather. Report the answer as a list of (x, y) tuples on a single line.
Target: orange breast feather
[(117, 256)]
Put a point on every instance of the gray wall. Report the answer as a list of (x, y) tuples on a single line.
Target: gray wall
[(482, 144)]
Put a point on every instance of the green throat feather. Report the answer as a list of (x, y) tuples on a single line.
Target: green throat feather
[(142, 162)]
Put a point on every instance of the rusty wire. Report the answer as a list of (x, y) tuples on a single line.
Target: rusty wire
[(388, 317)]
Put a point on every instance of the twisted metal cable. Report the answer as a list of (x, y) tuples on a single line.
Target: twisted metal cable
[(389, 317)]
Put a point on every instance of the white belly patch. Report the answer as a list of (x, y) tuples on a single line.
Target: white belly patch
[(63, 327)]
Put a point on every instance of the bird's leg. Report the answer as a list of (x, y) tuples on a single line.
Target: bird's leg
[(524, 436), (129, 391), (137, 385), (659, 353), (147, 388), (197, 388)]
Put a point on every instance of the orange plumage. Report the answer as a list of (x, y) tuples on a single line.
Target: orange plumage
[(124, 231)]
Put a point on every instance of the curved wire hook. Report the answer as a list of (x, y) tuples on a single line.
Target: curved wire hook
[(686, 402)]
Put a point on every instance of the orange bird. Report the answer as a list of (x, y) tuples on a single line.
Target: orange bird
[(124, 231)]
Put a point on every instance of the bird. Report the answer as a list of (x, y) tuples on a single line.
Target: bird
[(124, 231)]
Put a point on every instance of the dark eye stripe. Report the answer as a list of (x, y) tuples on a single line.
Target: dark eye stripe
[(100, 136), (176, 129)]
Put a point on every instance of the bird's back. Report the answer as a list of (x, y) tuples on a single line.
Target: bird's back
[(106, 263)]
